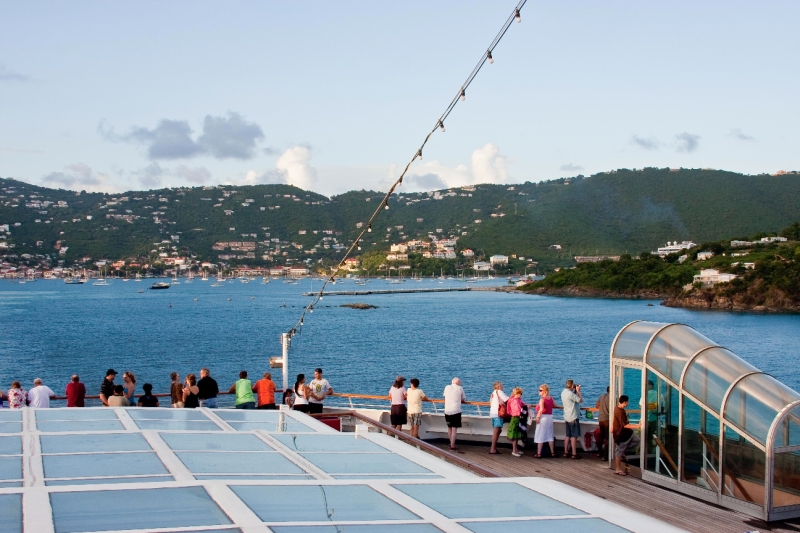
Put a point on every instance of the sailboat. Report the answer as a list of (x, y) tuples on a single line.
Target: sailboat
[(175, 278), (189, 277), (205, 276), (138, 277), (101, 281)]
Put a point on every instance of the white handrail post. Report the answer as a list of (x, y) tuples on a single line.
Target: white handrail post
[(285, 341)]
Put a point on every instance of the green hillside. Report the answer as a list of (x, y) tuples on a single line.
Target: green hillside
[(610, 213)]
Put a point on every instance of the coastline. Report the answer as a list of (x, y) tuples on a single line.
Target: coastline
[(695, 299)]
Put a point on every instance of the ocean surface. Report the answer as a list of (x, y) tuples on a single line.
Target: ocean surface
[(51, 330)]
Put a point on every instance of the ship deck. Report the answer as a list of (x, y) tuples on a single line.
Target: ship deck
[(593, 476)]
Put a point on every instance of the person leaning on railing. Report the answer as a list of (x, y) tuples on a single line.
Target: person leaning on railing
[(624, 437)]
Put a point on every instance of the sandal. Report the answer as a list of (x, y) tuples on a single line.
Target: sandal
[(621, 473), (495, 453), (538, 456), (575, 457), (566, 455)]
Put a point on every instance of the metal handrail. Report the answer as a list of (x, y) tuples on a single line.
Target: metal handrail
[(435, 400), (433, 450)]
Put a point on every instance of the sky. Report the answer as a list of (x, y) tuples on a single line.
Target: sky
[(338, 96)]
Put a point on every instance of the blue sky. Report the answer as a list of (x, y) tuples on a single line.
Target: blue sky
[(334, 96)]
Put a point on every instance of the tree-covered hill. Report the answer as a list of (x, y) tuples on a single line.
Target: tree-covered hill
[(623, 211)]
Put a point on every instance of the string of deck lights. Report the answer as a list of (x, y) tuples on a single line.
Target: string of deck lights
[(460, 96)]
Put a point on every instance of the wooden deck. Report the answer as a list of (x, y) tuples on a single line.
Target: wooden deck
[(593, 476)]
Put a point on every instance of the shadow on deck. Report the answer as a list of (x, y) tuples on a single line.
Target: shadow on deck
[(592, 475)]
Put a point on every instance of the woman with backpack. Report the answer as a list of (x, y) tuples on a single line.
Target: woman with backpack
[(498, 412), (514, 406), (544, 421)]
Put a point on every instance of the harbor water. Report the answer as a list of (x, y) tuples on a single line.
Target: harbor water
[(51, 330)]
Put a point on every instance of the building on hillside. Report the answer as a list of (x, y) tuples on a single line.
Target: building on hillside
[(673, 247), (595, 258), (554, 247), (298, 272), (277, 271), (427, 254), (499, 260), (401, 248), (397, 257), (709, 277), (351, 264), (774, 239), (467, 253), (704, 256), (481, 266)]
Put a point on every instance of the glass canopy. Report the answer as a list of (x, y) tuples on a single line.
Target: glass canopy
[(113, 470), (710, 421)]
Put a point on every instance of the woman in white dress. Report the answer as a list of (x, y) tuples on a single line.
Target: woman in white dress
[(544, 422)]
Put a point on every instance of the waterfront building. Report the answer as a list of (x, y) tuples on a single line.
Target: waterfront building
[(709, 277)]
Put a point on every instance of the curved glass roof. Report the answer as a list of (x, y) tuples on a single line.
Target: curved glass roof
[(672, 347), (711, 373), (787, 433), (632, 340), (754, 403)]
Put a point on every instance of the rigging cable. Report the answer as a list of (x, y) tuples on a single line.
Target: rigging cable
[(460, 96)]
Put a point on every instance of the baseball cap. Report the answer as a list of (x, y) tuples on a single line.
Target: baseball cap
[(111, 372)]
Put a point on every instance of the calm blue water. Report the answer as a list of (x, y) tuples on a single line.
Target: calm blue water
[(49, 329)]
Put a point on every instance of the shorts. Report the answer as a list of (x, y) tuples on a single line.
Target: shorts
[(573, 429), (302, 407), (415, 419), (497, 422), (398, 415), (246, 405), (266, 406), (453, 421), (314, 408)]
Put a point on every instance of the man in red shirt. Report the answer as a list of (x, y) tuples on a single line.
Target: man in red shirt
[(265, 388), (76, 392)]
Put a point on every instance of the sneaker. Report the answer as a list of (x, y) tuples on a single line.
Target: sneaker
[(516, 454)]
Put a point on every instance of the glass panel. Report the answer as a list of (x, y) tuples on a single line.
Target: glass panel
[(472, 500), (102, 413), (236, 477), (10, 445), (166, 414), (661, 426), (743, 468), (786, 487), (787, 433), (102, 464), (370, 463), (382, 476), (7, 415), (238, 462), (10, 484), (317, 503), (629, 383), (710, 375), (11, 512), (140, 509), (385, 528), (10, 427), (272, 427), (215, 441), (113, 480), (700, 446), (11, 467), (113, 442), (633, 340), (329, 443), (595, 525), (755, 401), (673, 347), (247, 415), (178, 425), (80, 426)]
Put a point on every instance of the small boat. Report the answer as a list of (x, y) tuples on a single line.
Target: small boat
[(175, 279), (75, 280), (101, 282), (159, 285), (265, 280), (245, 279)]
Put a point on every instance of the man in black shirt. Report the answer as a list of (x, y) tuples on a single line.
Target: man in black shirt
[(107, 388), (147, 399), (208, 389)]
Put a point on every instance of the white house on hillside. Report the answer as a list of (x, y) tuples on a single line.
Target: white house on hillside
[(499, 260), (711, 276)]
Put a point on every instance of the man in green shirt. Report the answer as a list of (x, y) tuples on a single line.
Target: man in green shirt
[(244, 392)]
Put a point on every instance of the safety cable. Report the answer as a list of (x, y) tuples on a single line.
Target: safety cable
[(460, 96)]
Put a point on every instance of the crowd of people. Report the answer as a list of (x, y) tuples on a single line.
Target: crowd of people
[(406, 406), (187, 393)]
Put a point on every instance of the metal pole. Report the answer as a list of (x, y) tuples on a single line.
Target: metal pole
[(285, 341)]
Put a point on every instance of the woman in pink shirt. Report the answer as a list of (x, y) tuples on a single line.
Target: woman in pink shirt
[(544, 421), (514, 406), (397, 394)]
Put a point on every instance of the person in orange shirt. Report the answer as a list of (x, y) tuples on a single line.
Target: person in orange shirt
[(265, 389)]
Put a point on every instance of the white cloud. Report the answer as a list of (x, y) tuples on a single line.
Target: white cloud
[(80, 177), (487, 166), (295, 166)]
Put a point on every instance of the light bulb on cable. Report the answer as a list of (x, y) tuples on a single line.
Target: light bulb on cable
[(419, 153), (489, 56), (386, 206), (517, 15), (441, 126), (369, 228), (463, 95)]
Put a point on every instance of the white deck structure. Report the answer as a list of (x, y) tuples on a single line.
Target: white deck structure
[(189, 470)]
